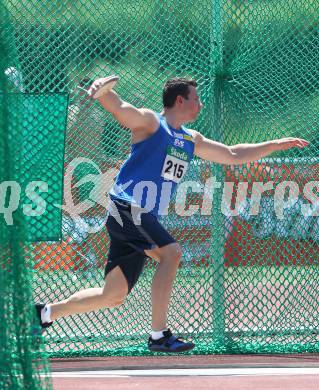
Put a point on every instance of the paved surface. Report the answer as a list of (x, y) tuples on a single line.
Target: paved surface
[(257, 372)]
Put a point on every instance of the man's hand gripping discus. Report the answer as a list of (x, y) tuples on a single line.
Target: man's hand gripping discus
[(102, 86)]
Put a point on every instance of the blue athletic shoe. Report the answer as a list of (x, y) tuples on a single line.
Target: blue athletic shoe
[(169, 344)]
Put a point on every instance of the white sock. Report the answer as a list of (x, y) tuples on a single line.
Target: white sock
[(156, 335), (46, 314)]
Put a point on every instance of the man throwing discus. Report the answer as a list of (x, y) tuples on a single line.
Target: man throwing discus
[(161, 151)]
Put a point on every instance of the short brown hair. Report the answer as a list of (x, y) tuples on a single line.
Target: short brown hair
[(178, 86)]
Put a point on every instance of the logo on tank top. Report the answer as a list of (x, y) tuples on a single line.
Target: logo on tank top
[(179, 143)]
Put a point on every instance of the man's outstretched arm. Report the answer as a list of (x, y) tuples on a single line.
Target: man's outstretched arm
[(241, 153), (125, 113)]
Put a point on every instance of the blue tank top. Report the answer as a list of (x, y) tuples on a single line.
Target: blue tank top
[(148, 178)]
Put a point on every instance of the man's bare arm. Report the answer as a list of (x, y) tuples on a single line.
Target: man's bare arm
[(125, 113), (241, 153)]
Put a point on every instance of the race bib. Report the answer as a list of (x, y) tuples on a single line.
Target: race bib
[(175, 164)]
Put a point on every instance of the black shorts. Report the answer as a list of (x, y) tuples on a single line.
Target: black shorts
[(129, 241)]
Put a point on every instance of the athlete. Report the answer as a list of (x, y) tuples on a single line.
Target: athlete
[(161, 151)]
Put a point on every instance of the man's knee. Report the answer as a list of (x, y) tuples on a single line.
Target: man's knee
[(115, 296), (115, 289), (172, 253), (114, 300), (118, 301)]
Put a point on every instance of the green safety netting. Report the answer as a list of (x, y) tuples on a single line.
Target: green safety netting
[(248, 281), (22, 351)]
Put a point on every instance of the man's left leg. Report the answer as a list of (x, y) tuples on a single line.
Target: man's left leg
[(162, 340)]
